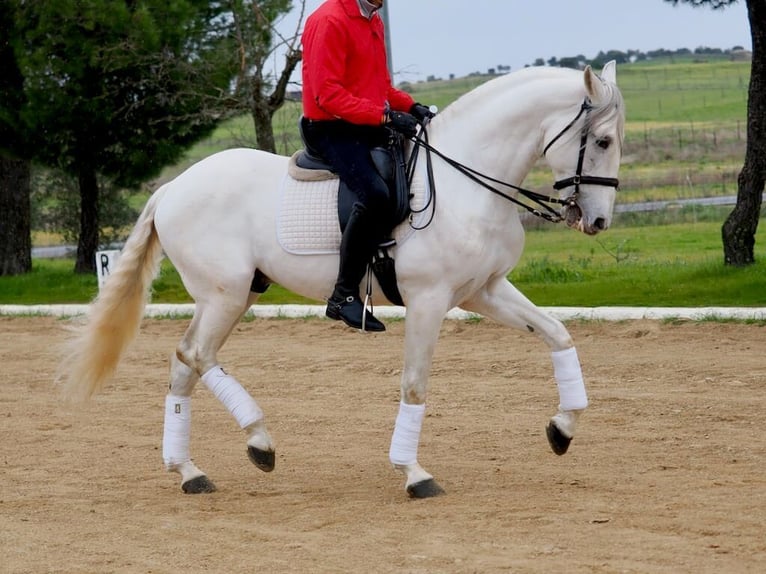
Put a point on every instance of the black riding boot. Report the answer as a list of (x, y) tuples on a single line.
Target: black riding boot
[(356, 247)]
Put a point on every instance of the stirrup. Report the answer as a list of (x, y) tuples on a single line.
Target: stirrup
[(367, 303)]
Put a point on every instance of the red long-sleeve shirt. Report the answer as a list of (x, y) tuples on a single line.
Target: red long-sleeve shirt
[(345, 74)]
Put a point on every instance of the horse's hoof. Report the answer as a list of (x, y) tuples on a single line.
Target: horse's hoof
[(198, 485), (558, 441), (263, 459), (425, 489)]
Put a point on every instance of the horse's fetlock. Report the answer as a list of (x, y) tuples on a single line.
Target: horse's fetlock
[(566, 421), (188, 470), (258, 437), (413, 395)]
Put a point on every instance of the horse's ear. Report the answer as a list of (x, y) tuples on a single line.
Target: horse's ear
[(609, 72), (593, 85)]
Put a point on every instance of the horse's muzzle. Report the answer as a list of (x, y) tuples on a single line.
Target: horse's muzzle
[(573, 217)]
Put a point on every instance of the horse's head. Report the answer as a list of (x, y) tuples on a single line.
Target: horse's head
[(584, 152)]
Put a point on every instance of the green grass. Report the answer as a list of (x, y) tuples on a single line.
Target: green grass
[(53, 282), (657, 95), (669, 265), (677, 264), (680, 92)]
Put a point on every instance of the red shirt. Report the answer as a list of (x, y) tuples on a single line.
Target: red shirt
[(345, 74)]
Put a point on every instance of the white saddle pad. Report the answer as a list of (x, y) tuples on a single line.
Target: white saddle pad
[(307, 221)]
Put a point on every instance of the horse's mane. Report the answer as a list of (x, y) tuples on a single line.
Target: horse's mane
[(507, 82), (608, 111), (611, 110)]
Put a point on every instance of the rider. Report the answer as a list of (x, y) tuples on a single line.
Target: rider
[(348, 100)]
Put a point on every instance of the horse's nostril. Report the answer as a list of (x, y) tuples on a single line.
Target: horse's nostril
[(600, 224)]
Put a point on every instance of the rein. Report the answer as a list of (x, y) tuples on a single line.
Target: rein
[(542, 210)]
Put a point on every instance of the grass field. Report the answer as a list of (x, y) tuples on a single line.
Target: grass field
[(685, 138), (676, 264), (685, 130)]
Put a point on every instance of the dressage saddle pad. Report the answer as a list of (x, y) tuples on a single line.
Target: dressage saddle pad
[(307, 219)]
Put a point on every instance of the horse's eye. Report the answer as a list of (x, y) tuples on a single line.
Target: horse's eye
[(604, 142)]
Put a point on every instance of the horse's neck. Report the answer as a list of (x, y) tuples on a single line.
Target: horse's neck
[(496, 128)]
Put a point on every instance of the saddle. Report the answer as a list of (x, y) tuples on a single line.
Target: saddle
[(390, 164)]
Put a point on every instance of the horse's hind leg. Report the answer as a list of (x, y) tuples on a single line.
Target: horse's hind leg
[(501, 301), (177, 432), (196, 357)]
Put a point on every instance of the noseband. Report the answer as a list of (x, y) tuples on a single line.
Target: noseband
[(578, 178)]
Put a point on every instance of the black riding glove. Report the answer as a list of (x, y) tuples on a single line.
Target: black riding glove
[(404, 123), (421, 112)]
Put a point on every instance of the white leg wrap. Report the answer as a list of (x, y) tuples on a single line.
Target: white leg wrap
[(234, 397), (176, 436), (404, 442), (566, 369)]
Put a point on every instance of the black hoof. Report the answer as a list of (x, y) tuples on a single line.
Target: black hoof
[(559, 443), (263, 459), (425, 489), (199, 485)]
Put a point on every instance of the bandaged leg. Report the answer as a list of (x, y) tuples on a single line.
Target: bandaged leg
[(175, 439), (404, 442), (566, 369), (234, 397)]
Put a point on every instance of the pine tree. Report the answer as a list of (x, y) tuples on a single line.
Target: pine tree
[(120, 89)]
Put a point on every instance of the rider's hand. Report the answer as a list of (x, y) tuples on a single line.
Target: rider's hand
[(403, 123), (421, 112)]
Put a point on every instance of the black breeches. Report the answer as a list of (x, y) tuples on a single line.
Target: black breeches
[(346, 147)]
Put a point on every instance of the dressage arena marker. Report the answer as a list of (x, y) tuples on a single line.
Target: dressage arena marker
[(394, 312), (105, 264)]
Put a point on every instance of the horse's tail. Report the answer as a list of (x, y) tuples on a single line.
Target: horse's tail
[(92, 355)]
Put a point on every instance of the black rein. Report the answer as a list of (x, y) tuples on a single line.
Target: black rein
[(542, 210)]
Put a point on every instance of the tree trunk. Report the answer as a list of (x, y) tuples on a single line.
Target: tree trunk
[(87, 245), (262, 114), (738, 231), (15, 226), (264, 130), (263, 107)]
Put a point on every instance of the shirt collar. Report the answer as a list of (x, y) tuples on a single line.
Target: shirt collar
[(367, 9)]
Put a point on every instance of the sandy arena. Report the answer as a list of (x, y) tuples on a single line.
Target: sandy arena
[(667, 473)]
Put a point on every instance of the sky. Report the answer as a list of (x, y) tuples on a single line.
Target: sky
[(443, 37)]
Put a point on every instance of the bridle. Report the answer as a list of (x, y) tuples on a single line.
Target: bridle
[(578, 178), (542, 210)]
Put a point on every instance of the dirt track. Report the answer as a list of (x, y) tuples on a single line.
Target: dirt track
[(666, 474)]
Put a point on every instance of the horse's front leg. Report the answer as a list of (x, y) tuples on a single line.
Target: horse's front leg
[(501, 301), (421, 331)]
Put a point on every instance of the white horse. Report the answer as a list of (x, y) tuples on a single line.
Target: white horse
[(217, 222)]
